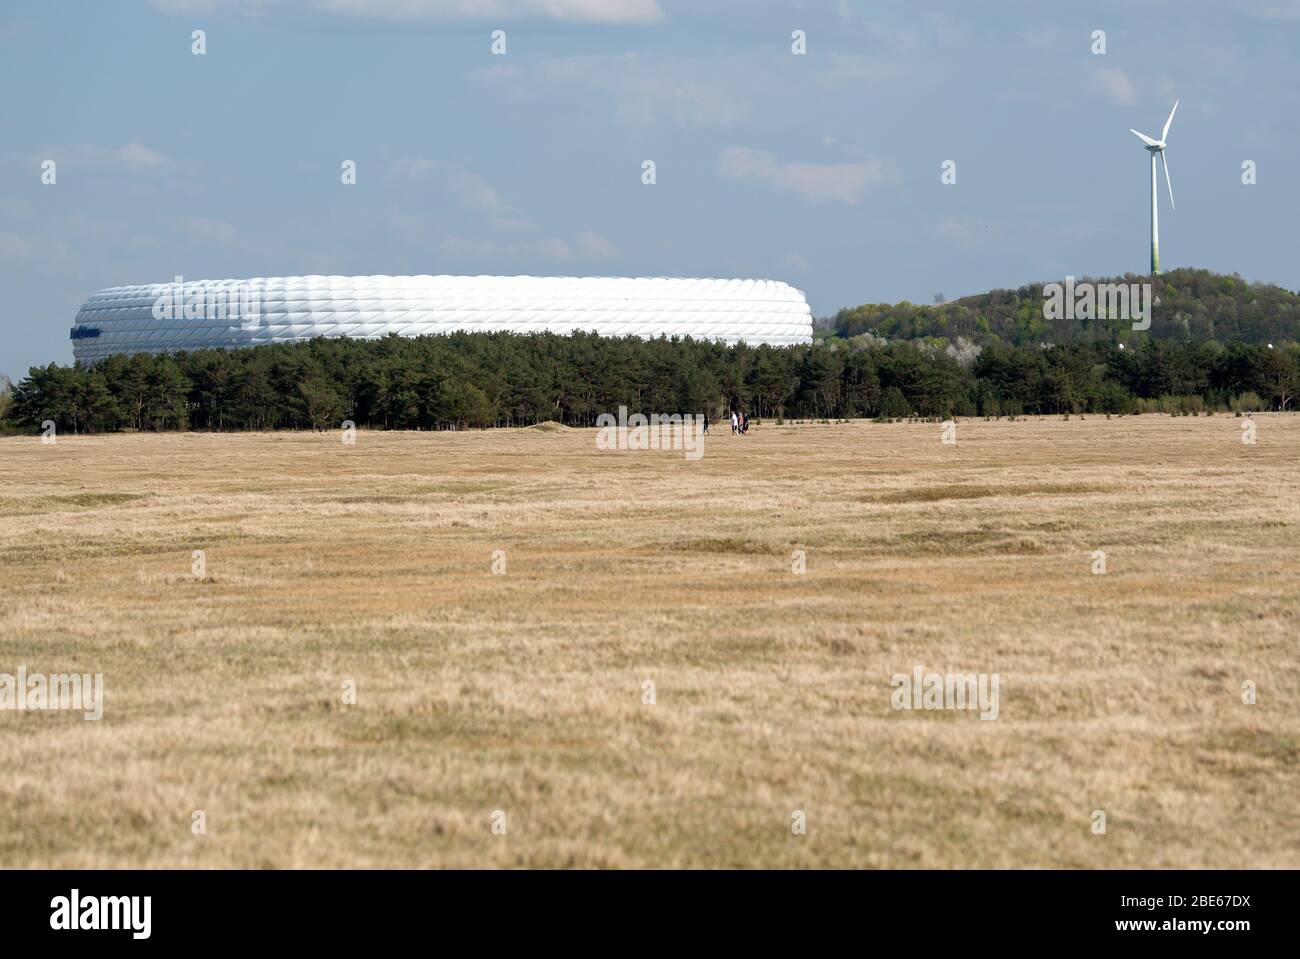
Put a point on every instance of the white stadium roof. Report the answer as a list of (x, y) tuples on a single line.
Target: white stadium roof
[(202, 314)]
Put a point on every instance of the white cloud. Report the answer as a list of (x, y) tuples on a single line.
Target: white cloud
[(469, 189), (581, 11), (185, 8), (587, 246), (555, 248), (513, 224), (475, 193), (137, 156), (835, 70), (593, 246), (820, 182), (1041, 37), (15, 207), (11, 245), (956, 231), (206, 230), (472, 192), (647, 96), (1272, 9), (411, 168), (134, 157), (41, 248), (587, 11), (644, 92), (459, 247), (967, 233), (1116, 85), (180, 7)]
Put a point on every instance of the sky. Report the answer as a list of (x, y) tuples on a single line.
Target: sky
[(822, 168)]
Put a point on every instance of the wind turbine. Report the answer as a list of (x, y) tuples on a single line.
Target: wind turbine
[(1154, 147)]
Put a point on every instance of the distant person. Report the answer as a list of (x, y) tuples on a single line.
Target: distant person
[(735, 423), (706, 422), (744, 423)]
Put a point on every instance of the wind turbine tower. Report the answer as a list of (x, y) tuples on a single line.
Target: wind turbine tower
[(1154, 147)]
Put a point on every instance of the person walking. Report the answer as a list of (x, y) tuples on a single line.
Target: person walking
[(735, 423)]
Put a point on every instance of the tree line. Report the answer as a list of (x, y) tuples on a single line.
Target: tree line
[(505, 379), (1190, 305)]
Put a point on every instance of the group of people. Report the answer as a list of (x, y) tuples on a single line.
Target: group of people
[(739, 423)]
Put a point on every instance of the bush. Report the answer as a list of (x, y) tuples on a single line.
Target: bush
[(1248, 402), (1172, 405)]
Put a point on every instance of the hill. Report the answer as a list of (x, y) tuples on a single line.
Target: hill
[(1190, 306)]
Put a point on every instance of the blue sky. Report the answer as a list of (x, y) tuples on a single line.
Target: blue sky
[(822, 169)]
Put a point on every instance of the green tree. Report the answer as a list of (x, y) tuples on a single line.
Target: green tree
[(321, 401)]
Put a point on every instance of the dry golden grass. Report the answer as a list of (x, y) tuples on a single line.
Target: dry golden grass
[(522, 692)]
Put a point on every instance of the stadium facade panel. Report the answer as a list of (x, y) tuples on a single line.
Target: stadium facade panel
[(229, 314)]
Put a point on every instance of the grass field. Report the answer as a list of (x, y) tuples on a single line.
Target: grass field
[(522, 692)]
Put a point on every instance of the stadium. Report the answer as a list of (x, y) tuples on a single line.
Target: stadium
[(229, 314)]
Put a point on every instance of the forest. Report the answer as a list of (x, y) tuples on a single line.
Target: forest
[(1190, 306), (467, 380)]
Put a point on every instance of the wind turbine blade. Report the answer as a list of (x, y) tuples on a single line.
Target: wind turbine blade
[(1165, 132), (1143, 137), (1169, 183)]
